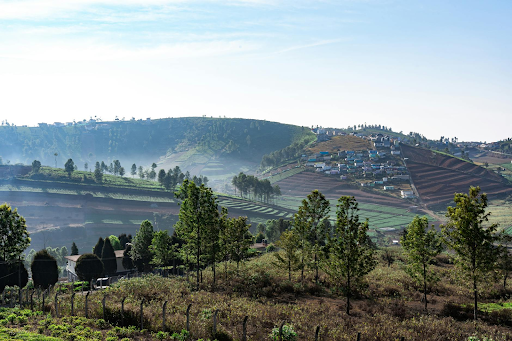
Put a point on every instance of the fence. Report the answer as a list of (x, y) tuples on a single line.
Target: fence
[(59, 303)]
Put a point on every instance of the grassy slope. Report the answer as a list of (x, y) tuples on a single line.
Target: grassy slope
[(386, 308)]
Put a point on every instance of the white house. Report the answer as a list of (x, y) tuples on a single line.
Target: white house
[(407, 194), (71, 264)]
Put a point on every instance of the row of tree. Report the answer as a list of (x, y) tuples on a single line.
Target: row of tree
[(260, 189), (345, 252)]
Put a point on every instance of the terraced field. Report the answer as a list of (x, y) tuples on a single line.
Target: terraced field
[(437, 177), (301, 184), (381, 217)]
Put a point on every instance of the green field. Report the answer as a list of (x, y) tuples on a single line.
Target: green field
[(379, 216)]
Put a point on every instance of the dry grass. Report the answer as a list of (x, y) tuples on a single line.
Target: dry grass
[(386, 308), (345, 142)]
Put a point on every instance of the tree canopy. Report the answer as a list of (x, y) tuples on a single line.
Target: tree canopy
[(14, 237)]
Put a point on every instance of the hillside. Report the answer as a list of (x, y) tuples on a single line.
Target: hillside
[(146, 141), (59, 210), (340, 142), (437, 177)]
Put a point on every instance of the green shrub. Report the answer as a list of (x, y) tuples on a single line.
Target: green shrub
[(288, 333), (181, 336)]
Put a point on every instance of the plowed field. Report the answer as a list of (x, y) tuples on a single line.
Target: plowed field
[(438, 177), (300, 185)]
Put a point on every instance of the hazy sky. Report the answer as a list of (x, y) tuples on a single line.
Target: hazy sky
[(434, 67)]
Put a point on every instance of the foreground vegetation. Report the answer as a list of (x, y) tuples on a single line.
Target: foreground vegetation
[(387, 307)]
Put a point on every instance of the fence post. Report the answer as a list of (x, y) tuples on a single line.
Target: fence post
[(317, 332), (188, 317), (215, 322), (42, 304), (142, 314), (3, 297), (281, 331), (73, 303), (86, 306), (163, 316), (32, 300), (358, 336), (103, 303), (56, 305), (244, 329), (20, 293), (402, 338), (122, 311)]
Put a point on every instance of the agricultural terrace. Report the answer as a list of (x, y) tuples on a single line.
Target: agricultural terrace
[(381, 217), (437, 177), (301, 184)]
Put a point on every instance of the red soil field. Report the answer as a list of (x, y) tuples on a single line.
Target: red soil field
[(438, 177)]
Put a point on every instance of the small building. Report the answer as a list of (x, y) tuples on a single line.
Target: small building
[(407, 194), (71, 264), (389, 188), (395, 152)]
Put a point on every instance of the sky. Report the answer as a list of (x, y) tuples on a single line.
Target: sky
[(440, 68)]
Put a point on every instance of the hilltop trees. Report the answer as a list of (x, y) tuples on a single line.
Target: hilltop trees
[(472, 242), (421, 245)]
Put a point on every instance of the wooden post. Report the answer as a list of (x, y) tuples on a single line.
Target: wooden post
[(244, 329), (73, 303), (317, 332), (188, 317), (122, 311), (281, 331), (32, 300), (56, 305), (42, 305), (142, 314), (215, 322), (163, 316), (103, 303), (358, 336), (86, 306)]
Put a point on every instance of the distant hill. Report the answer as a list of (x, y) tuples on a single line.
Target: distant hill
[(146, 141), (438, 177)]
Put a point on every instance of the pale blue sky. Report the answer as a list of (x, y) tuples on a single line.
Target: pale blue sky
[(435, 67)]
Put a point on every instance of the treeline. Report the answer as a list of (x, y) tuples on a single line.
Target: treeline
[(248, 185), (291, 152)]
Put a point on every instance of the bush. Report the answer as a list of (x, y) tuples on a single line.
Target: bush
[(45, 271), (88, 266), (288, 334)]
